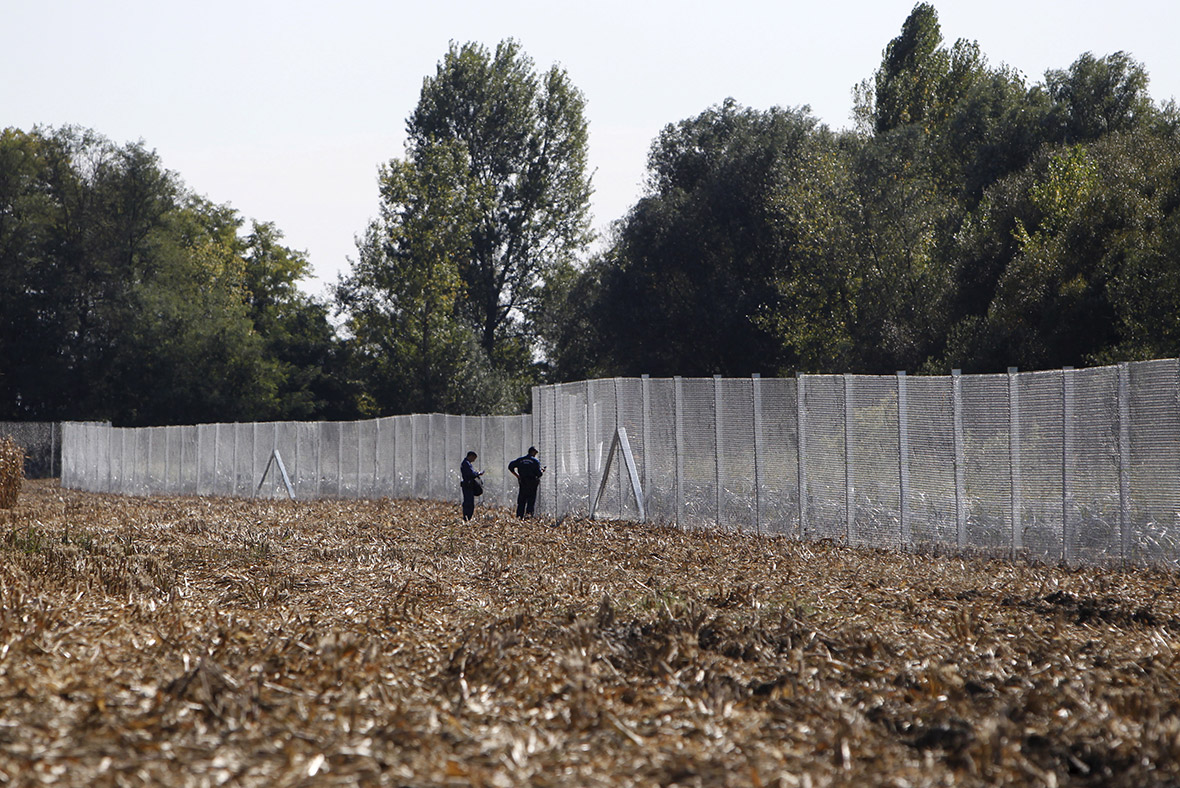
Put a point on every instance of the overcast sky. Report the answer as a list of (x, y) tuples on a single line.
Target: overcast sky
[(285, 109)]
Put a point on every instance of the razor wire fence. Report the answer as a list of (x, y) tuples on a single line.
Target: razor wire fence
[(1081, 466), (398, 457), (1074, 465)]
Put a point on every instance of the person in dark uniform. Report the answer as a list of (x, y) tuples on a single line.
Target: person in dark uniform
[(469, 482), (528, 472)]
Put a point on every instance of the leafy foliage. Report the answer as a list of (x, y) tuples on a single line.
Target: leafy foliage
[(489, 205), (125, 297), (970, 220)]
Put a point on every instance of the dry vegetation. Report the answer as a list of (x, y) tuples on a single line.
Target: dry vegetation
[(205, 641), (12, 471)]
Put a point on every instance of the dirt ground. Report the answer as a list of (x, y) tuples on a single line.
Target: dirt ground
[(187, 641)]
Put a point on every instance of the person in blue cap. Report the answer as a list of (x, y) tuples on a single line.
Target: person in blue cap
[(528, 471)]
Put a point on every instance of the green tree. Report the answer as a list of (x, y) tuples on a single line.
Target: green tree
[(524, 139), (404, 292), (819, 282), (124, 297), (912, 71), (30, 334), (298, 337), (188, 351), (1078, 249), (919, 80), (695, 261), (1097, 96)]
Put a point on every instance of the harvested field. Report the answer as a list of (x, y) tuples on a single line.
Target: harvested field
[(190, 641)]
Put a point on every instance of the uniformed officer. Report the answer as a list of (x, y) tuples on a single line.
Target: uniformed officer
[(469, 481), (528, 471)]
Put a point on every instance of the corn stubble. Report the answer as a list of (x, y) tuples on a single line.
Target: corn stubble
[(12, 471), (198, 642)]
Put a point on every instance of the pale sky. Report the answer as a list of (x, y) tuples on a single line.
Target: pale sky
[(285, 109)]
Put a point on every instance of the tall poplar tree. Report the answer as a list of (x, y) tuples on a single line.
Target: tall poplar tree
[(490, 202), (525, 138)]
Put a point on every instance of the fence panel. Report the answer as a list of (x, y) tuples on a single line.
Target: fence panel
[(931, 503), (493, 461), (572, 490), (825, 503), (629, 412), (545, 438), (600, 430), (1153, 532), (737, 454), (875, 479), (1092, 473), (778, 457), (660, 452), (1042, 452), (987, 453)]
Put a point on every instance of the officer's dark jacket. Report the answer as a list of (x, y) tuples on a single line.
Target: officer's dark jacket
[(527, 467), (466, 471)]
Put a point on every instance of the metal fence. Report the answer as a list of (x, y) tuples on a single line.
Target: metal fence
[(41, 441), (1074, 465), (401, 456)]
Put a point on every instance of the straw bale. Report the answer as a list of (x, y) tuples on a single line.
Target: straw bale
[(196, 641), (12, 471)]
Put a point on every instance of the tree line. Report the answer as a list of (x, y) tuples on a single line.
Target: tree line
[(969, 219), (126, 297)]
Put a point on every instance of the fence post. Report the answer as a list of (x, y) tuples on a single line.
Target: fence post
[(801, 447), (483, 437), (756, 394), (960, 459), (645, 382), (150, 476), (849, 491), (1014, 459), (586, 433), (413, 456), (718, 449), (678, 407), (254, 454), (216, 457), (340, 459), (357, 431), (618, 496), (1124, 405), (377, 458), (555, 458), (167, 459), (1067, 409), (903, 456)]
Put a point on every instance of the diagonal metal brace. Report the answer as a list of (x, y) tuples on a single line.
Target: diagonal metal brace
[(276, 459), (620, 442)]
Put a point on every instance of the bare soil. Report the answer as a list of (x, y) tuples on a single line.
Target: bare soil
[(196, 641)]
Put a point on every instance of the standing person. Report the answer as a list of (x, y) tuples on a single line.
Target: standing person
[(469, 484), (528, 472)]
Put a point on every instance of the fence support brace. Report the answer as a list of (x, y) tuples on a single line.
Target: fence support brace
[(277, 460), (620, 442)]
